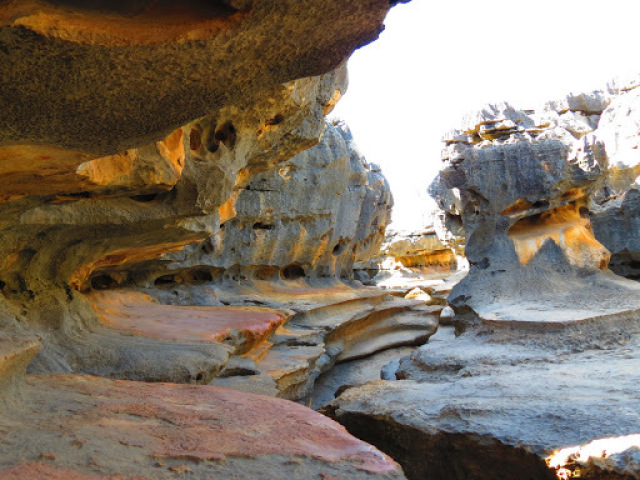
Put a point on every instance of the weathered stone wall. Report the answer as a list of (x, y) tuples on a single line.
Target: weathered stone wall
[(311, 216)]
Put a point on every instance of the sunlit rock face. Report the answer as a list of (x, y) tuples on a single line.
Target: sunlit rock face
[(522, 183), (420, 250), (311, 216), (615, 215)]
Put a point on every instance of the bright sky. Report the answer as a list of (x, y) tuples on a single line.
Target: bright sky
[(437, 60)]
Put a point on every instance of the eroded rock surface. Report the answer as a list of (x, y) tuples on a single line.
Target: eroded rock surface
[(83, 72), (311, 216), (499, 404), (525, 182), (80, 427)]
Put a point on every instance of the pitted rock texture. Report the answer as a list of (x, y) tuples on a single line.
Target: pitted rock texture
[(83, 72), (66, 426), (615, 215), (53, 244), (507, 403), (312, 216), (525, 182)]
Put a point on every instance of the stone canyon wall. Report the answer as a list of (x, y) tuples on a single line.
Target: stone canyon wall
[(130, 131)]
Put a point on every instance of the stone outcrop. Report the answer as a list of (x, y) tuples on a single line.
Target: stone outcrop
[(311, 216), (537, 376), (420, 249), (499, 405), (80, 427), (83, 72), (615, 216), (131, 130), (525, 182)]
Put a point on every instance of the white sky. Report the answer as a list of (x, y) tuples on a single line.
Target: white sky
[(437, 60)]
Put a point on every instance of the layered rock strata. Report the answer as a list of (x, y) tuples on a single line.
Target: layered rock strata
[(311, 216), (130, 130), (525, 183), (537, 376)]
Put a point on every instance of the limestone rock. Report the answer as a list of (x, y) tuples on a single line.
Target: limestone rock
[(72, 240), (525, 181), (616, 225), (311, 216), (495, 405), (420, 249), (83, 72), (80, 427)]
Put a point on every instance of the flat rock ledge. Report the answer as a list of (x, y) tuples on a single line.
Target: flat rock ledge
[(508, 403)]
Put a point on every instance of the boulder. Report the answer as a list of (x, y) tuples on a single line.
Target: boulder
[(81, 427), (501, 405)]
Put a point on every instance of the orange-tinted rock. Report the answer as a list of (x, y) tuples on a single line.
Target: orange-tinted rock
[(134, 312), (27, 170)]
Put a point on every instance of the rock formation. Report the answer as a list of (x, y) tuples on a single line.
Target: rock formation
[(131, 130), (525, 183), (615, 218), (80, 427), (537, 377), (420, 250)]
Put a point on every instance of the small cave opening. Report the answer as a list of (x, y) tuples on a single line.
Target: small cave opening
[(165, 280), (292, 272), (146, 198), (262, 226), (103, 282)]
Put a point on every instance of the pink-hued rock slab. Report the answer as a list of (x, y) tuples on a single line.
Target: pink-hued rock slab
[(80, 425), (41, 471), (135, 312)]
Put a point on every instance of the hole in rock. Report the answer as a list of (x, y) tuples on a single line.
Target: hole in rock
[(144, 198), (199, 276), (166, 280), (206, 246), (262, 226), (338, 249), (102, 282), (278, 119), (292, 272), (195, 139), (226, 134)]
